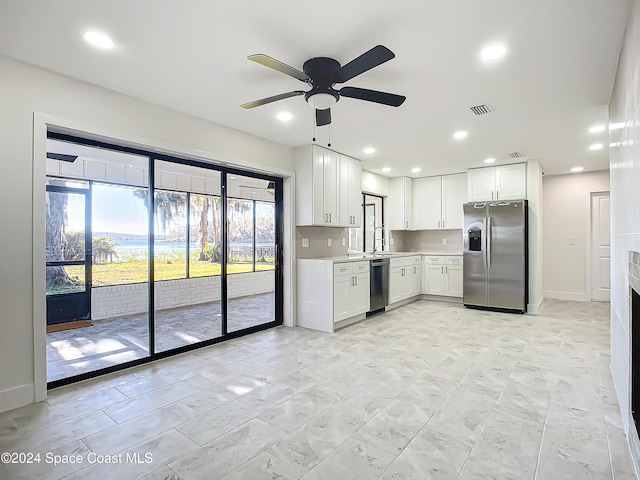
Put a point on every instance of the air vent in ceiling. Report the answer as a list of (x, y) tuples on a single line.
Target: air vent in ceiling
[(516, 154), (482, 109)]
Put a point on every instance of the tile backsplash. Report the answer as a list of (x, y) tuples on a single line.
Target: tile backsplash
[(318, 245), (427, 241)]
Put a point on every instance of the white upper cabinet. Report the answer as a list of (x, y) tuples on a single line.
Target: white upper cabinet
[(454, 195), (437, 201), (399, 206), (327, 185), (511, 182), (350, 192), (504, 182), (427, 203)]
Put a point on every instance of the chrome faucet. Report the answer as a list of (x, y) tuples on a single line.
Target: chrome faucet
[(381, 239)]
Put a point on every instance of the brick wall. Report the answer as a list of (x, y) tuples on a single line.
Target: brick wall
[(120, 300)]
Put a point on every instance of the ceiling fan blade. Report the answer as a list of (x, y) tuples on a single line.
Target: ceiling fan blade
[(267, 61), (275, 98), (323, 117), (374, 57), (384, 98)]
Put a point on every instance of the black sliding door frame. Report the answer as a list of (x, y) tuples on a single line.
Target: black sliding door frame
[(224, 172)]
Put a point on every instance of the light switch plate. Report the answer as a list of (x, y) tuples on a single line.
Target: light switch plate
[(305, 243), (328, 242), (572, 240), (344, 242)]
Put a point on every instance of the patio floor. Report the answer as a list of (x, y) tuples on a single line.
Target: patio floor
[(117, 340)]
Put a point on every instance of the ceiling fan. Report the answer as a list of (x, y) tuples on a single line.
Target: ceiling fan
[(322, 73)]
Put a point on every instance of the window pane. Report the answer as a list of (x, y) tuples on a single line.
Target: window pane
[(204, 231), (65, 225), (265, 236), (120, 235), (240, 236), (170, 246), (66, 279)]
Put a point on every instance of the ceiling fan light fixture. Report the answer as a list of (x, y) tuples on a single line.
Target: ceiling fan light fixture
[(322, 101)]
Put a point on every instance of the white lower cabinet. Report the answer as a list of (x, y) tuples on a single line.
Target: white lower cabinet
[(405, 279), (330, 292), (442, 275), (351, 293)]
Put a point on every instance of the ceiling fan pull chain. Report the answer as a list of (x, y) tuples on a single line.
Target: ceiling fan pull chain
[(329, 144), (314, 131)]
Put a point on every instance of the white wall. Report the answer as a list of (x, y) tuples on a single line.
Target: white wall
[(534, 195), (567, 207), (375, 184), (624, 168), (24, 90)]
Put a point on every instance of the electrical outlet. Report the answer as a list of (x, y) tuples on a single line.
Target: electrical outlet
[(328, 242), (392, 242), (444, 241), (305, 243), (344, 242)]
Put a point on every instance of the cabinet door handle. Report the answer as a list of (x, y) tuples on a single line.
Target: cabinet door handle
[(446, 270), (356, 281), (441, 269), (326, 218), (442, 223), (491, 194), (497, 195), (329, 218)]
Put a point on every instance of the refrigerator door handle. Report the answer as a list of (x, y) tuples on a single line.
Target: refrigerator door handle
[(488, 237), (483, 243)]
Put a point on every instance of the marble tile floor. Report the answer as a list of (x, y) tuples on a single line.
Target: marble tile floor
[(114, 341), (427, 391)]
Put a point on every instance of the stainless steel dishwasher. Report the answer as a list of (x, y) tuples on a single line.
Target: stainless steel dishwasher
[(379, 280)]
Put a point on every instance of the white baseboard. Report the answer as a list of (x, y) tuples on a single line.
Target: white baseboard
[(577, 296), (535, 308), (16, 397)]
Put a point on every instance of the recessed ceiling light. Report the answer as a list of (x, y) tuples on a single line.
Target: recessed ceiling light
[(597, 129), (460, 134), (577, 169), (97, 39), (415, 170), (369, 150), (386, 169), (493, 52), (284, 116), (596, 146), (489, 160)]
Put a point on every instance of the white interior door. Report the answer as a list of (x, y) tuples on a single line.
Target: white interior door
[(600, 248)]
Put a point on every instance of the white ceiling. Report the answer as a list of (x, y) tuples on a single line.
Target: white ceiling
[(190, 56)]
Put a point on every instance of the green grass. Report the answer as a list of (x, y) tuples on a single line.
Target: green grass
[(136, 271)]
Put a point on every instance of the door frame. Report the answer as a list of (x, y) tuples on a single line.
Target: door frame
[(42, 123), (590, 242)]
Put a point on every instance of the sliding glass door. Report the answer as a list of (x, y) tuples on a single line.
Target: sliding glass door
[(251, 252), (159, 255), (186, 252)]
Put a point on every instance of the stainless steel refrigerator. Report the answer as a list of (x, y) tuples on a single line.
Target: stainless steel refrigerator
[(495, 255)]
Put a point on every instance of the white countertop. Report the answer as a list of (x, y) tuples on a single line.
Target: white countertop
[(359, 257)]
